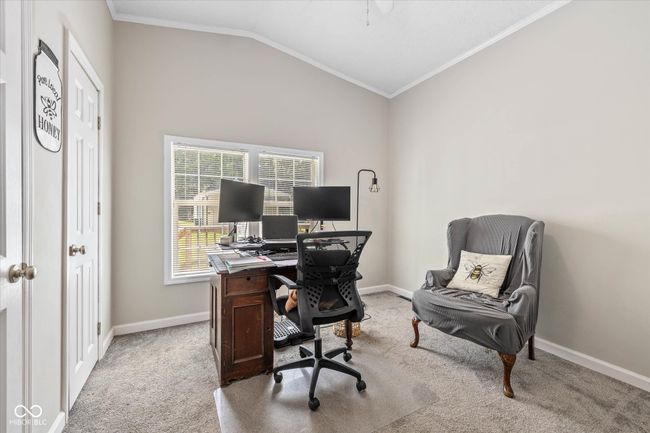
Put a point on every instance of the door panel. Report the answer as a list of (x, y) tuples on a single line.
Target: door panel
[(12, 414), (82, 223)]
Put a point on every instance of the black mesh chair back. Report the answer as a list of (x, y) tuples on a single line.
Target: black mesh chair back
[(327, 276)]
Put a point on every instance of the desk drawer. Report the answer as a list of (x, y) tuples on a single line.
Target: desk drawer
[(236, 284)]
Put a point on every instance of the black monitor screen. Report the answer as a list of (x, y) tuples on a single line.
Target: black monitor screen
[(325, 203), (240, 202), (279, 226)]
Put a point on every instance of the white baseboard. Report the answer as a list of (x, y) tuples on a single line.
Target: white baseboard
[(107, 342), (385, 288), (165, 322), (399, 291), (595, 364), (374, 289), (58, 424)]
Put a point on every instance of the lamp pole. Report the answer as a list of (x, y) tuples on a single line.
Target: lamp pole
[(374, 187)]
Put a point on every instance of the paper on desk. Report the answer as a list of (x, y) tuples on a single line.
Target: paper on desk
[(283, 263)]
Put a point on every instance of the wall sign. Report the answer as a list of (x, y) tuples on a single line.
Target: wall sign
[(47, 98)]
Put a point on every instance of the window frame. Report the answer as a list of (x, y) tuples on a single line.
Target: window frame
[(253, 150)]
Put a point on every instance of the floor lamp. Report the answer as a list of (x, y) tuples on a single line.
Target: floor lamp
[(374, 187)]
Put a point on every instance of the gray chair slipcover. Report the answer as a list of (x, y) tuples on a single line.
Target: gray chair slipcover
[(507, 322)]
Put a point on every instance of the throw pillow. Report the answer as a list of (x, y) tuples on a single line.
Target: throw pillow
[(481, 273)]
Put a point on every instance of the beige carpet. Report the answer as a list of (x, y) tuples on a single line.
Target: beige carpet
[(393, 394), (164, 381)]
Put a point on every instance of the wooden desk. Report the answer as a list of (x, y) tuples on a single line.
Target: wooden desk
[(241, 321)]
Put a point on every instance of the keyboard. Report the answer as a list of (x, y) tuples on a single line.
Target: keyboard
[(279, 257), (245, 245), (279, 241)]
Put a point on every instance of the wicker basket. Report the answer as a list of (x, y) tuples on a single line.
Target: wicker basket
[(339, 329)]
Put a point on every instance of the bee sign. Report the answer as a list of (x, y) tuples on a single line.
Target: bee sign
[(47, 99)]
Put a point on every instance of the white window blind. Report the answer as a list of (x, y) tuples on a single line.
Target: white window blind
[(279, 173), (196, 180), (193, 172)]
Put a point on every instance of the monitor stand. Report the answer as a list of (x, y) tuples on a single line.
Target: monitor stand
[(233, 233)]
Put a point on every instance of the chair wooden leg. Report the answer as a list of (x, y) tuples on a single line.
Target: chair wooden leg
[(508, 363), (531, 348), (348, 334), (415, 322)]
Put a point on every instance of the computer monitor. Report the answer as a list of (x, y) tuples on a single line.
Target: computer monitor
[(240, 202), (280, 227), (322, 203)]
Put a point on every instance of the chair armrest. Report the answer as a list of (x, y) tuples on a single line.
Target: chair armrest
[(274, 287), (284, 280), (522, 305), (439, 278)]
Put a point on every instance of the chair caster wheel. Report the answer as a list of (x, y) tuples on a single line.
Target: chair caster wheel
[(347, 356), (314, 403), (278, 377), (361, 385)]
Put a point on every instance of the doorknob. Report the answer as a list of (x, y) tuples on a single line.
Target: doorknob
[(16, 272), (73, 250)]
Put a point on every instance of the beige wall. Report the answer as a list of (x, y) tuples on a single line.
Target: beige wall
[(234, 89), (553, 123), (91, 24)]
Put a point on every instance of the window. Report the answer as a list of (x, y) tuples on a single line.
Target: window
[(197, 174), (279, 174), (193, 172)]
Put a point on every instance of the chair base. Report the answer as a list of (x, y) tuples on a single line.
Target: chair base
[(318, 361)]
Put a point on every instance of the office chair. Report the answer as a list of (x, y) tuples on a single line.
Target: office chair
[(327, 293)]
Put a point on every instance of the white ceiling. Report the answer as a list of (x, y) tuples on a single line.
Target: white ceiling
[(399, 49)]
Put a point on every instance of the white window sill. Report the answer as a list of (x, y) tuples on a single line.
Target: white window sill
[(202, 278)]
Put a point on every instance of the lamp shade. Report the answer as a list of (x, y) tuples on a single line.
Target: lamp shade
[(374, 186)]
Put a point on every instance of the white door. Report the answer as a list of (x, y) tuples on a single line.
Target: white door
[(13, 413), (82, 159)]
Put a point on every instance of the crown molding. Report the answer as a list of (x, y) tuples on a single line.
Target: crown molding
[(507, 32), (111, 8), (266, 41)]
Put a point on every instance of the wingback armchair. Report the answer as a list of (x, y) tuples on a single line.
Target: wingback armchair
[(504, 323)]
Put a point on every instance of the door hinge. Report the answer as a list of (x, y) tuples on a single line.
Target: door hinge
[(99, 208), (99, 122), (99, 328)]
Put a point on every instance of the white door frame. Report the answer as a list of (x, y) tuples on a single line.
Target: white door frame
[(74, 49)]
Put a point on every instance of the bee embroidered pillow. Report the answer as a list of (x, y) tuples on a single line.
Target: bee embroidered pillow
[(481, 273)]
